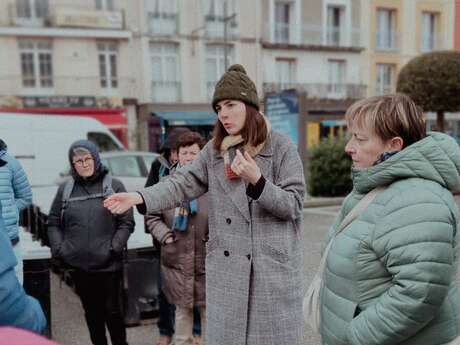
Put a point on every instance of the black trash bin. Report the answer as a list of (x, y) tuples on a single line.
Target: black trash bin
[(37, 284), (140, 290)]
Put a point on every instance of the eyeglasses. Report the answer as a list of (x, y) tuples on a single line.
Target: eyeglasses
[(81, 162)]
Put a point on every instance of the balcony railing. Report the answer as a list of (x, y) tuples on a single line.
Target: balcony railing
[(312, 35), (320, 91), (70, 86), (71, 15), (387, 41), (164, 24), (166, 91), (431, 42)]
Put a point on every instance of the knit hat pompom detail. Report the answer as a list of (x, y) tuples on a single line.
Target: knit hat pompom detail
[(237, 68), (235, 85)]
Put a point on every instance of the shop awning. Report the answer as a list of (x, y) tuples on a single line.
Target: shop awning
[(188, 118), (333, 123)]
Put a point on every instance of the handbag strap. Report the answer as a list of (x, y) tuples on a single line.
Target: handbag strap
[(351, 216), (358, 209)]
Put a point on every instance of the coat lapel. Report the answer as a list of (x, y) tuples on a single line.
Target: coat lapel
[(264, 159), (235, 189)]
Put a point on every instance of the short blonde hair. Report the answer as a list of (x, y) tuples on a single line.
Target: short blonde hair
[(389, 116)]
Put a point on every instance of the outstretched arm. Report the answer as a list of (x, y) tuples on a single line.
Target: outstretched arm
[(187, 183)]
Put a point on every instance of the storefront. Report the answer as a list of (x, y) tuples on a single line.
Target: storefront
[(162, 122)]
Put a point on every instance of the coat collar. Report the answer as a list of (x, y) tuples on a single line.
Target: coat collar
[(236, 189)]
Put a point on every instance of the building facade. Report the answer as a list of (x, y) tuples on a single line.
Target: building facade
[(457, 25), (63, 54), (399, 30)]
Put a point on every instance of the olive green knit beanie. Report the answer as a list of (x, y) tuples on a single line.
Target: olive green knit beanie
[(235, 84)]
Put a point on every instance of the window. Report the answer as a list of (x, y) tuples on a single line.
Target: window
[(335, 23), (36, 64), (32, 12), (164, 59), (386, 29), (126, 166), (108, 53), (385, 77), (162, 16), (105, 5), (148, 160), (215, 64), (285, 72), (430, 35), (283, 13), (336, 85), (217, 14), (103, 142)]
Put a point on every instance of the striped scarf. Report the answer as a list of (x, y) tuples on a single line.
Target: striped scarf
[(183, 212), (233, 141)]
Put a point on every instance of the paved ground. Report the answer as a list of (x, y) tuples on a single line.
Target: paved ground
[(68, 323)]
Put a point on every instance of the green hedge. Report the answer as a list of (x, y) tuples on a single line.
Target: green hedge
[(432, 80), (329, 169)]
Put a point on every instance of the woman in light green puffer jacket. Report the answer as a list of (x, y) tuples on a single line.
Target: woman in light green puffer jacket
[(390, 274)]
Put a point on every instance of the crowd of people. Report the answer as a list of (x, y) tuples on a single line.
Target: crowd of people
[(226, 219)]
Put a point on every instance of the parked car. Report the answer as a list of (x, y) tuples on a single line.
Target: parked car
[(130, 167)]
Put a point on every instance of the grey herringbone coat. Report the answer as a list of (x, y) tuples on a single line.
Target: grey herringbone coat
[(254, 286)]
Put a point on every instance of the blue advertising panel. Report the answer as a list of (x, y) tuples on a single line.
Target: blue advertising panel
[(282, 110)]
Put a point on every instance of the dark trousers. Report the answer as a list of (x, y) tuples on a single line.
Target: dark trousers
[(100, 295)]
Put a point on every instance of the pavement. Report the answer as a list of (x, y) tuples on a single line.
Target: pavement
[(322, 201)]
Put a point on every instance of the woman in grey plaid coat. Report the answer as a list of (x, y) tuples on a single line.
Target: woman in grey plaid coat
[(255, 181)]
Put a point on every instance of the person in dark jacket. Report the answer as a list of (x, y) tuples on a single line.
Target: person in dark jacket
[(160, 166), (88, 239)]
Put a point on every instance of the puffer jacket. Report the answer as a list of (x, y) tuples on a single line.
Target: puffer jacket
[(15, 191), (16, 308), (89, 238), (390, 274)]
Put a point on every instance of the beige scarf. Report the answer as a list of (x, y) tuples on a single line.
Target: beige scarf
[(234, 140)]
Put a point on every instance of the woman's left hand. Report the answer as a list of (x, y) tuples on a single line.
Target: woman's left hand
[(246, 167)]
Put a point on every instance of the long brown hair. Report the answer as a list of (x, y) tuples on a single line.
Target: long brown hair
[(254, 131)]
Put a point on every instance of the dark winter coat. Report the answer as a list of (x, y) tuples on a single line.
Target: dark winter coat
[(183, 261), (90, 238)]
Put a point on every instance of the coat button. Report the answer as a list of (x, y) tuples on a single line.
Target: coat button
[(229, 221), (248, 256), (226, 253)]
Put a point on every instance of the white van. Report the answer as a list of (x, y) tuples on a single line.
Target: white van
[(41, 144)]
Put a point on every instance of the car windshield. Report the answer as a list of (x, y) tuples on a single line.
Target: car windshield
[(124, 166), (148, 160)]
